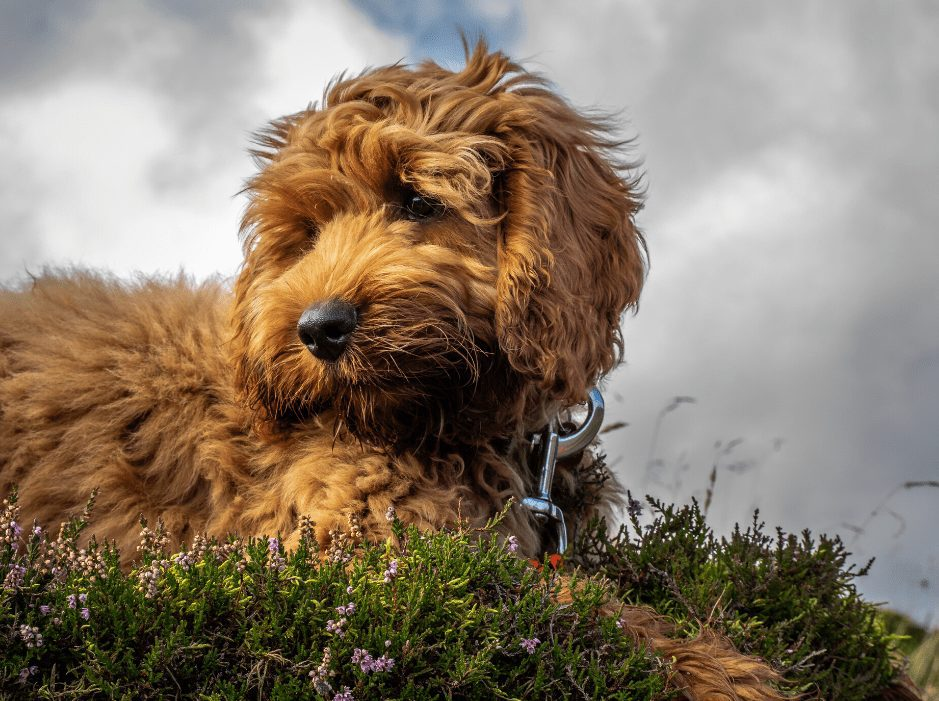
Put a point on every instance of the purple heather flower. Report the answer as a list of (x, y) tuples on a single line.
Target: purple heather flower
[(390, 513), (513, 544), (529, 644), (27, 672), (31, 636), (383, 664), (346, 610), (17, 529), (369, 664), (349, 589), (318, 675), (71, 601), (336, 627), (273, 545), (45, 609), (15, 577), (85, 613), (392, 571), (344, 695), (37, 531)]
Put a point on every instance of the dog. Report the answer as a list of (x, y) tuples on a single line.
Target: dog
[(436, 264)]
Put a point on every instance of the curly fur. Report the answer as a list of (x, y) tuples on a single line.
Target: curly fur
[(200, 405)]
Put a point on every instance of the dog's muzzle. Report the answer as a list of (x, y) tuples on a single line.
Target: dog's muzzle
[(325, 328)]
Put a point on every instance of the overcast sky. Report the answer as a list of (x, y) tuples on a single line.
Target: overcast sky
[(792, 165)]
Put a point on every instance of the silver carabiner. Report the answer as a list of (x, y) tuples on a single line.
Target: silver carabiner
[(556, 446)]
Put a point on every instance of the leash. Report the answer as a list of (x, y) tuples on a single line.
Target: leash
[(555, 446)]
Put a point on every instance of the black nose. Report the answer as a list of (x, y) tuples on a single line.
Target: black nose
[(325, 327)]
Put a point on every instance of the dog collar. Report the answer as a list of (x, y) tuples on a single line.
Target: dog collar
[(554, 446)]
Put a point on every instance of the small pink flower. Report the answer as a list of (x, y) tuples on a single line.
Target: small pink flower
[(529, 644), (369, 664), (392, 571), (336, 627), (512, 544), (344, 695)]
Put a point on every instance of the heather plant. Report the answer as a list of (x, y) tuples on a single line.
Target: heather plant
[(448, 615), (790, 599)]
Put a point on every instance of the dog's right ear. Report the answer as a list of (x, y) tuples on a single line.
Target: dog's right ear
[(571, 259)]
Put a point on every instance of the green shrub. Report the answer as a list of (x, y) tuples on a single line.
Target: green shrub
[(788, 599), (449, 615), (422, 616), (909, 635)]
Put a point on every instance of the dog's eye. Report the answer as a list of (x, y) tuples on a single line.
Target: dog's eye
[(420, 208)]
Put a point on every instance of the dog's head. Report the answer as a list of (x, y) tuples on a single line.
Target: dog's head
[(434, 255)]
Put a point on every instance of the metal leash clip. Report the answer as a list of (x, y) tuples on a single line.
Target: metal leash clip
[(556, 446)]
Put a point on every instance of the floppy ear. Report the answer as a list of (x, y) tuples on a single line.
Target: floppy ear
[(571, 260)]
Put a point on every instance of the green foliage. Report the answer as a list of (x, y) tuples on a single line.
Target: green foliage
[(908, 634), (922, 649), (425, 616), (449, 615), (788, 599)]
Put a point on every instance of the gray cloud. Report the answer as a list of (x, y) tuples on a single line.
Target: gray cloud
[(170, 80), (29, 35)]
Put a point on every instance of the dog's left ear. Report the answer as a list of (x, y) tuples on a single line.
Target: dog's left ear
[(571, 260)]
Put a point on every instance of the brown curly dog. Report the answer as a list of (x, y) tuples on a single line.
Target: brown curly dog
[(435, 265)]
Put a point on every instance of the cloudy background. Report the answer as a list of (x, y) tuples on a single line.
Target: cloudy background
[(792, 164)]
